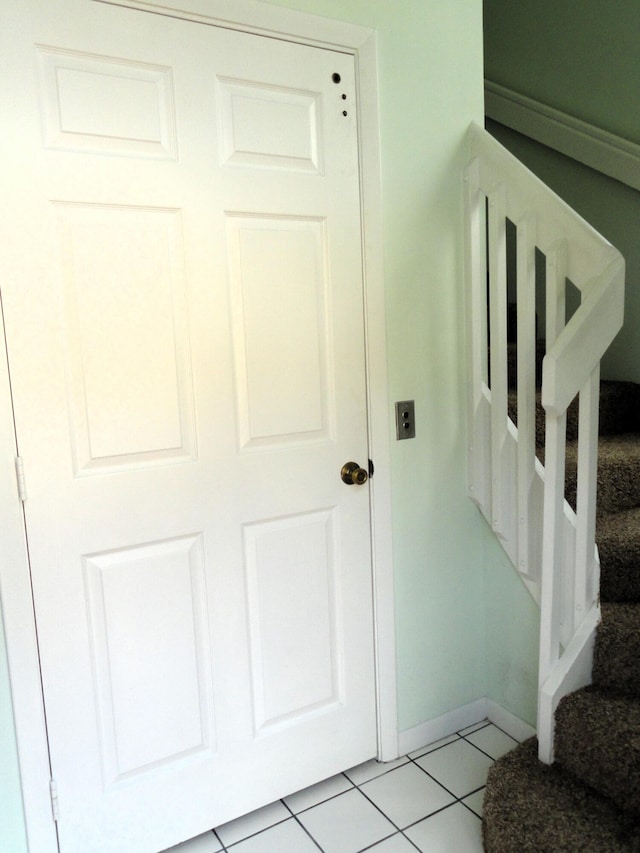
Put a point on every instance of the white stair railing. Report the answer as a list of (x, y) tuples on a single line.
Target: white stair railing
[(551, 545)]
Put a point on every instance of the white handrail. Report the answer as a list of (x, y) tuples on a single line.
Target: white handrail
[(551, 545)]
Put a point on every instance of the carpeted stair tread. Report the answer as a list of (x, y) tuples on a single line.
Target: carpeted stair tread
[(616, 659), (530, 807), (618, 538), (619, 411), (619, 407), (572, 417), (589, 799), (512, 363), (618, 472), (597, 739)]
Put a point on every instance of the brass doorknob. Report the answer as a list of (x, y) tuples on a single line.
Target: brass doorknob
[(353, 475)]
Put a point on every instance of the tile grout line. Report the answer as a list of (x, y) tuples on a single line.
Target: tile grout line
[(354, 786), (326, 800), (376, 806), (479, 748), (233, 844), (386, 838), (506, 734), (462, 802), (358, 786), (219, 840), (401, 830), (428, 751), (457, 799), (300, 824)]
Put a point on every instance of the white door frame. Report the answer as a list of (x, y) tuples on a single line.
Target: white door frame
[(15, 589)]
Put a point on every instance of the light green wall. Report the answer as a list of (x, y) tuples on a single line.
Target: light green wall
[(430, 78), (582, 58), (430, 81), (579, 56), (512, 636)]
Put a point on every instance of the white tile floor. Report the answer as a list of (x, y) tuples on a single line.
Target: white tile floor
[(429, 800)]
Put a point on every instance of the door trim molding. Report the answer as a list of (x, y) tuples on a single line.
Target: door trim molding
[(15, 590), (21, 639), (260, 18)]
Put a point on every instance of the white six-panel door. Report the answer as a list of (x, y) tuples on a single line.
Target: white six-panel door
[(182, 284)]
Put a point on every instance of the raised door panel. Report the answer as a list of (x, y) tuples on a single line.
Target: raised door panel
[(269, 127), (295, 618), (278, 281), (132, 112), (148, 604), (126, 335)]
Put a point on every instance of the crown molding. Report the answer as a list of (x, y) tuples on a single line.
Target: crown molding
[(605, 152)]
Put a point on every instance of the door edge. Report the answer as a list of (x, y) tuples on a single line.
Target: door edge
[(21, 642)]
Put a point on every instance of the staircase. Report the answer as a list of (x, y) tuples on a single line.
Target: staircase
[(589, 799), (537, 456)]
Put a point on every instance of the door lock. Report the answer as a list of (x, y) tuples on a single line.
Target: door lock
[(353, 475)]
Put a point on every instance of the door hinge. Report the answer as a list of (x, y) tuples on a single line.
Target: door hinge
[(53, 790), (22, 489)]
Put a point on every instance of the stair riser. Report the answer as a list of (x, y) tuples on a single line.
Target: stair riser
[(590, 798), (619, 411), (595, 741), (618, 538), (532, 808), (616, 664), (618, 476), (620, 575)]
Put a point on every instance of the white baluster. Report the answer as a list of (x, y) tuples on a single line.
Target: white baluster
[(498, 363), (526, 335)]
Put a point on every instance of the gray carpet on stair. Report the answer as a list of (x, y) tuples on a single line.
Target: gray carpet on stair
[(534, 808), (589, 800), (619, 411), (616, 663), (598, 741), (618, 538), (618, 473), (619, 407)]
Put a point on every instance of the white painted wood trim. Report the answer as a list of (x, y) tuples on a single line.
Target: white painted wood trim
[(258, 17), (605, 152), (442, 726), (573, 672), (261, 18), (461, 718), (576, 251), (511, 724), (21, 639), (378, 399)]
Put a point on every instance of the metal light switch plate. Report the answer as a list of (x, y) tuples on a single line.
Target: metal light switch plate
[(405, 420)]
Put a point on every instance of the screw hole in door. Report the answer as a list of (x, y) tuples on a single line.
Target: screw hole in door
[(336, 77)]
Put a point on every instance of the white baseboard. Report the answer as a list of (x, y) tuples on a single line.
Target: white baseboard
[(439, 727), (508, 722), (461, 718), (606, 152)]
